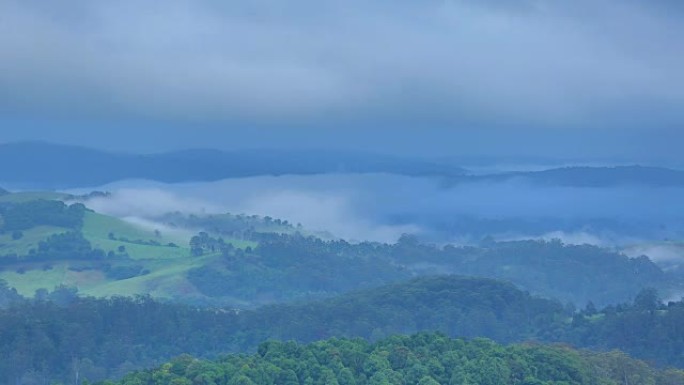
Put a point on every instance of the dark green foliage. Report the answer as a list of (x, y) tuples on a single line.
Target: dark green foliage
[(117, 335), (228, 225), (458, 306), (113, 336), (566, 272), (8, 295), (65, 246), (26, 215), (71, 245), (284, 267), (646, 329), (423, 359)]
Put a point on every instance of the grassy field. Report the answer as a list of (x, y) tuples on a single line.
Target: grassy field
[(146, 244), (165, 280), (34, 279), (167, 266), (28, 241), (97, 227)]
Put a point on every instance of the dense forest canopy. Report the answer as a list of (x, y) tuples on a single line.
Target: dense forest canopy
[(57, 332), (25, 215), (570, 273), (423, 359)]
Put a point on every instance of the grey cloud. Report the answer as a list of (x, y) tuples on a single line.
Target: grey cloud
[(540, 63)]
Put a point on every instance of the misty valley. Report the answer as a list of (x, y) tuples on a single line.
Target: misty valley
[(361, 279), (342, 192)]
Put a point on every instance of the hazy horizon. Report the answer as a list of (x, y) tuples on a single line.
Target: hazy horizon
[(548, 79)]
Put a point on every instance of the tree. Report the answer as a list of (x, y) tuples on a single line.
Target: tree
[(647, 300)]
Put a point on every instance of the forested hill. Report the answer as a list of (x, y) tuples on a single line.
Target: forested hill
[(109, 337), (60, 334), (422, 359), (458, 306), (43, 165), (592, 176)]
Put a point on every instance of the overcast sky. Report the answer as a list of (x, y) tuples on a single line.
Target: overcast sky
[(550, 78)]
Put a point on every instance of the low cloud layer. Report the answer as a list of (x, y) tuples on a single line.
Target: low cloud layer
[(382, 207)]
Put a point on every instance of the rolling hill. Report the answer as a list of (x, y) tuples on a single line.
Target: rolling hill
[(100, 255), (49, 240), (54, 335), (40, 165)]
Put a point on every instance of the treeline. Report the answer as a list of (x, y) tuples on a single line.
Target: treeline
[(422, 359), (228, 225), (457, 306), (296, 266), (58, 335), (26, 215), (58, 247), (646, 329), (286, 267)]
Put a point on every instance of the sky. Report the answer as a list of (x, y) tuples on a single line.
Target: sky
[(547, 78)]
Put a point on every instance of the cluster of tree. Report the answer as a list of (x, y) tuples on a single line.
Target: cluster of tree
[(458, 306), (8, 295), (202, 243), (91, 195), (104, 338), (26, 215), (570, 273), (229, 225), (149, 242), (423, 359), (62, 246), (287, 266), (647, 328), (58, 336)]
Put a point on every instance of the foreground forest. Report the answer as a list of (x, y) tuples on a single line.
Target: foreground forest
[(62, 336), (422, 359)]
